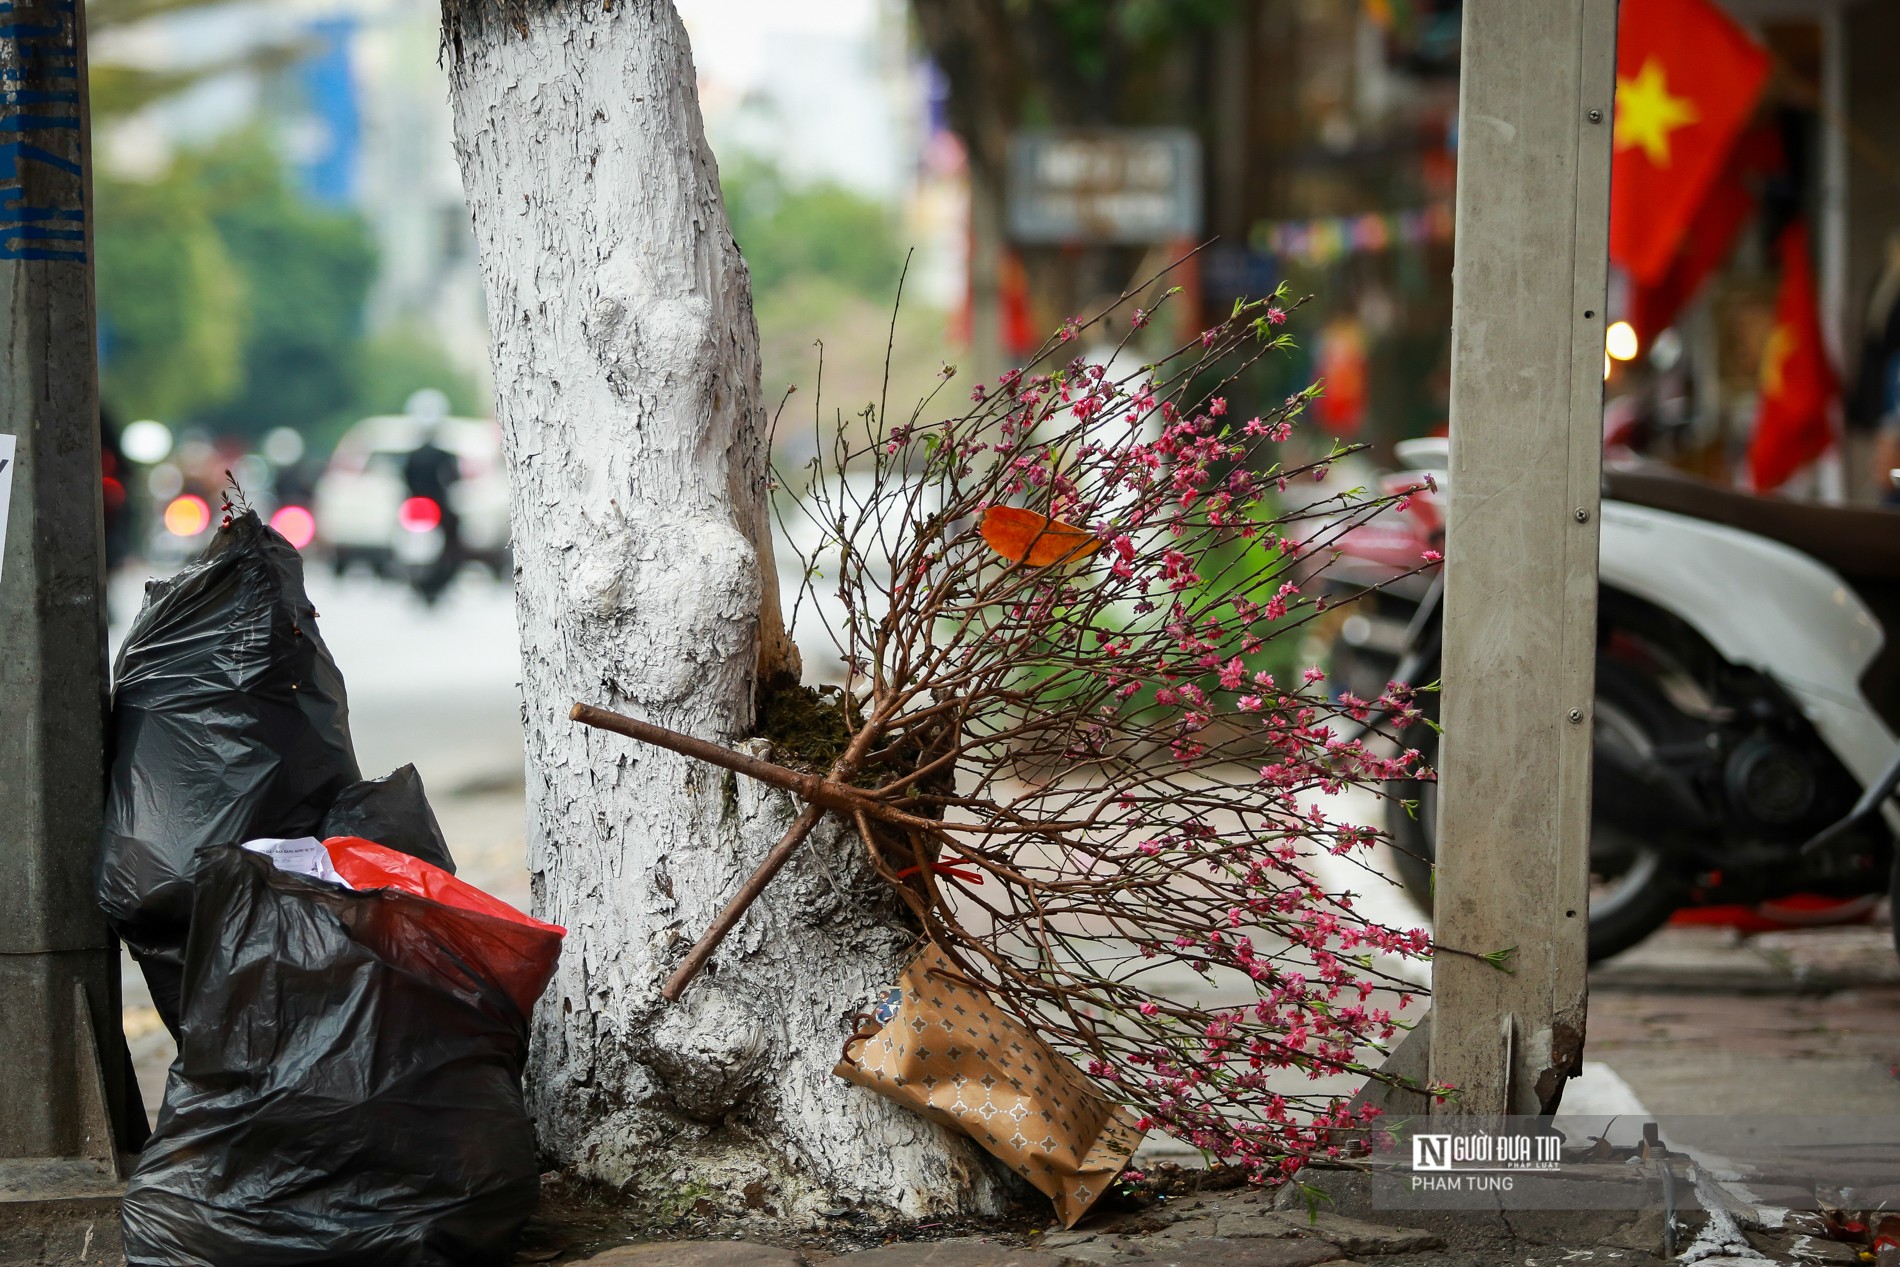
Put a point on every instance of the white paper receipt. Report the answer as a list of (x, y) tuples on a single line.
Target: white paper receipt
[(303, 856), (6, 494)]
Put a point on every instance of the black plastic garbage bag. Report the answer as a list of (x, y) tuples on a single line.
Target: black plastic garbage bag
[(392, 811), (228, 723), (347, 1088)]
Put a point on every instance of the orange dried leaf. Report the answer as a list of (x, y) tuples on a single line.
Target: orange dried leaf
[(1023, 536)]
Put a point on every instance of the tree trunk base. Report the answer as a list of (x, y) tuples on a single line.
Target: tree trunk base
[(725, 1102)]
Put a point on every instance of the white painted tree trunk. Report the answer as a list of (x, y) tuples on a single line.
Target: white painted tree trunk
[(626, 374)]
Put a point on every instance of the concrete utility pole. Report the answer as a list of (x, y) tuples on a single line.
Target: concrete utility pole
[(62, 1077), (1530, 269)]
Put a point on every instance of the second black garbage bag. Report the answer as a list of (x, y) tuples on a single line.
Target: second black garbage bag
[(348, 1081), (229, 722), (392, 811)]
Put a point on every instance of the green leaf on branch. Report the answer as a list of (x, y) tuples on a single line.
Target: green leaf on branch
[(1501, 959)]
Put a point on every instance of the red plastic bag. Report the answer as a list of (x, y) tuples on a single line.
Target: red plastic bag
[(484, 933)]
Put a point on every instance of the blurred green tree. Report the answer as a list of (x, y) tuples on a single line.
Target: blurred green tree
[(307, 271), (789, 231), (229, 301), (226, 299), (171, 300), (403, 359), (825, 261), (116, 90)]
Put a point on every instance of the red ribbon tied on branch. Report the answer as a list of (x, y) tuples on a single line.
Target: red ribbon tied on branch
[(955, 870)]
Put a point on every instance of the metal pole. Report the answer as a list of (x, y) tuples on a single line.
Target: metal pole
[(1529, 279), (59, 965)]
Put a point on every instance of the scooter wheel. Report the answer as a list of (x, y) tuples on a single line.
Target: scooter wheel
[(1640, 899)]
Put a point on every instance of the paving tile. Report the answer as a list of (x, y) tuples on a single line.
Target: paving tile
[(1222, 1252), (1355, 1236), (695, 1254), (1259, 1222), (1100, 1250), (955, 1254), (1063, 1240), (1192, 1229)]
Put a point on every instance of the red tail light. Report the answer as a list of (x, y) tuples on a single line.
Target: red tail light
[(295, 524), (419, 514)]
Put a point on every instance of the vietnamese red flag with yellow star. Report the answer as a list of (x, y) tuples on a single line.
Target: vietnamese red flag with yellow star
[(1795, 424), (1726, 209), (1687, 80)]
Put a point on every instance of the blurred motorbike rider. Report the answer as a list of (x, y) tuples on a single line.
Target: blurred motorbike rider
[(431, 471)]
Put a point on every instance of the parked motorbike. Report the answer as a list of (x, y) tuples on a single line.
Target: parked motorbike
[(1747, 694)]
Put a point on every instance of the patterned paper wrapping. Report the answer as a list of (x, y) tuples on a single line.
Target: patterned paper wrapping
[(940, 1047)]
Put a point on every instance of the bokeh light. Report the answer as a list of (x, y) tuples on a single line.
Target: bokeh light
[(187, 516), (419, 514), (1620, 341), (146, 441)]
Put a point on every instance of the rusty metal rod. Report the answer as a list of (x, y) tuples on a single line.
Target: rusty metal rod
[(748, 893), (819, 794), (829, 793)]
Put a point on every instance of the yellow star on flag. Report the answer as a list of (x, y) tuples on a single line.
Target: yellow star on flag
[(1646, 114), (1774, 359)]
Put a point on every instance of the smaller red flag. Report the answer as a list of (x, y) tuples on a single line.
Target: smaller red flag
[(1340, 363), (1020, 335), (1795, 423)]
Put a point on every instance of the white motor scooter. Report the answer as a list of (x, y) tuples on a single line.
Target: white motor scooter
[(1747, 700)]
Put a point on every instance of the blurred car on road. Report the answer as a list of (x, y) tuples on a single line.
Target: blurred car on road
[(361, 494)]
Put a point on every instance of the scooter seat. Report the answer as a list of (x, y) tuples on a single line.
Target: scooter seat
[(1862, 544)]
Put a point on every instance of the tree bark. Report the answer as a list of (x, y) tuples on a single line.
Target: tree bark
[(627, 382)]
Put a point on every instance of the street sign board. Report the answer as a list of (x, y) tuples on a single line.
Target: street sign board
[(1107, 185)]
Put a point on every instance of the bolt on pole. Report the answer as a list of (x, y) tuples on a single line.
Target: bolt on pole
[(63, 1075)]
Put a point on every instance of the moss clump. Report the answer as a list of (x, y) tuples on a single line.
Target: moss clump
[(809, 729), (806, 725)]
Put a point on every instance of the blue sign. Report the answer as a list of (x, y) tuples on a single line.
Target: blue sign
[(329, 91), (42, 185)]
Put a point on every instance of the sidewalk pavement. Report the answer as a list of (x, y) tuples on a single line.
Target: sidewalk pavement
[(1695, 1021), (1249, 1228), (1700, 1020)]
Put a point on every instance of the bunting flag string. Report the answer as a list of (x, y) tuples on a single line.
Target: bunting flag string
[(1324, 239)]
